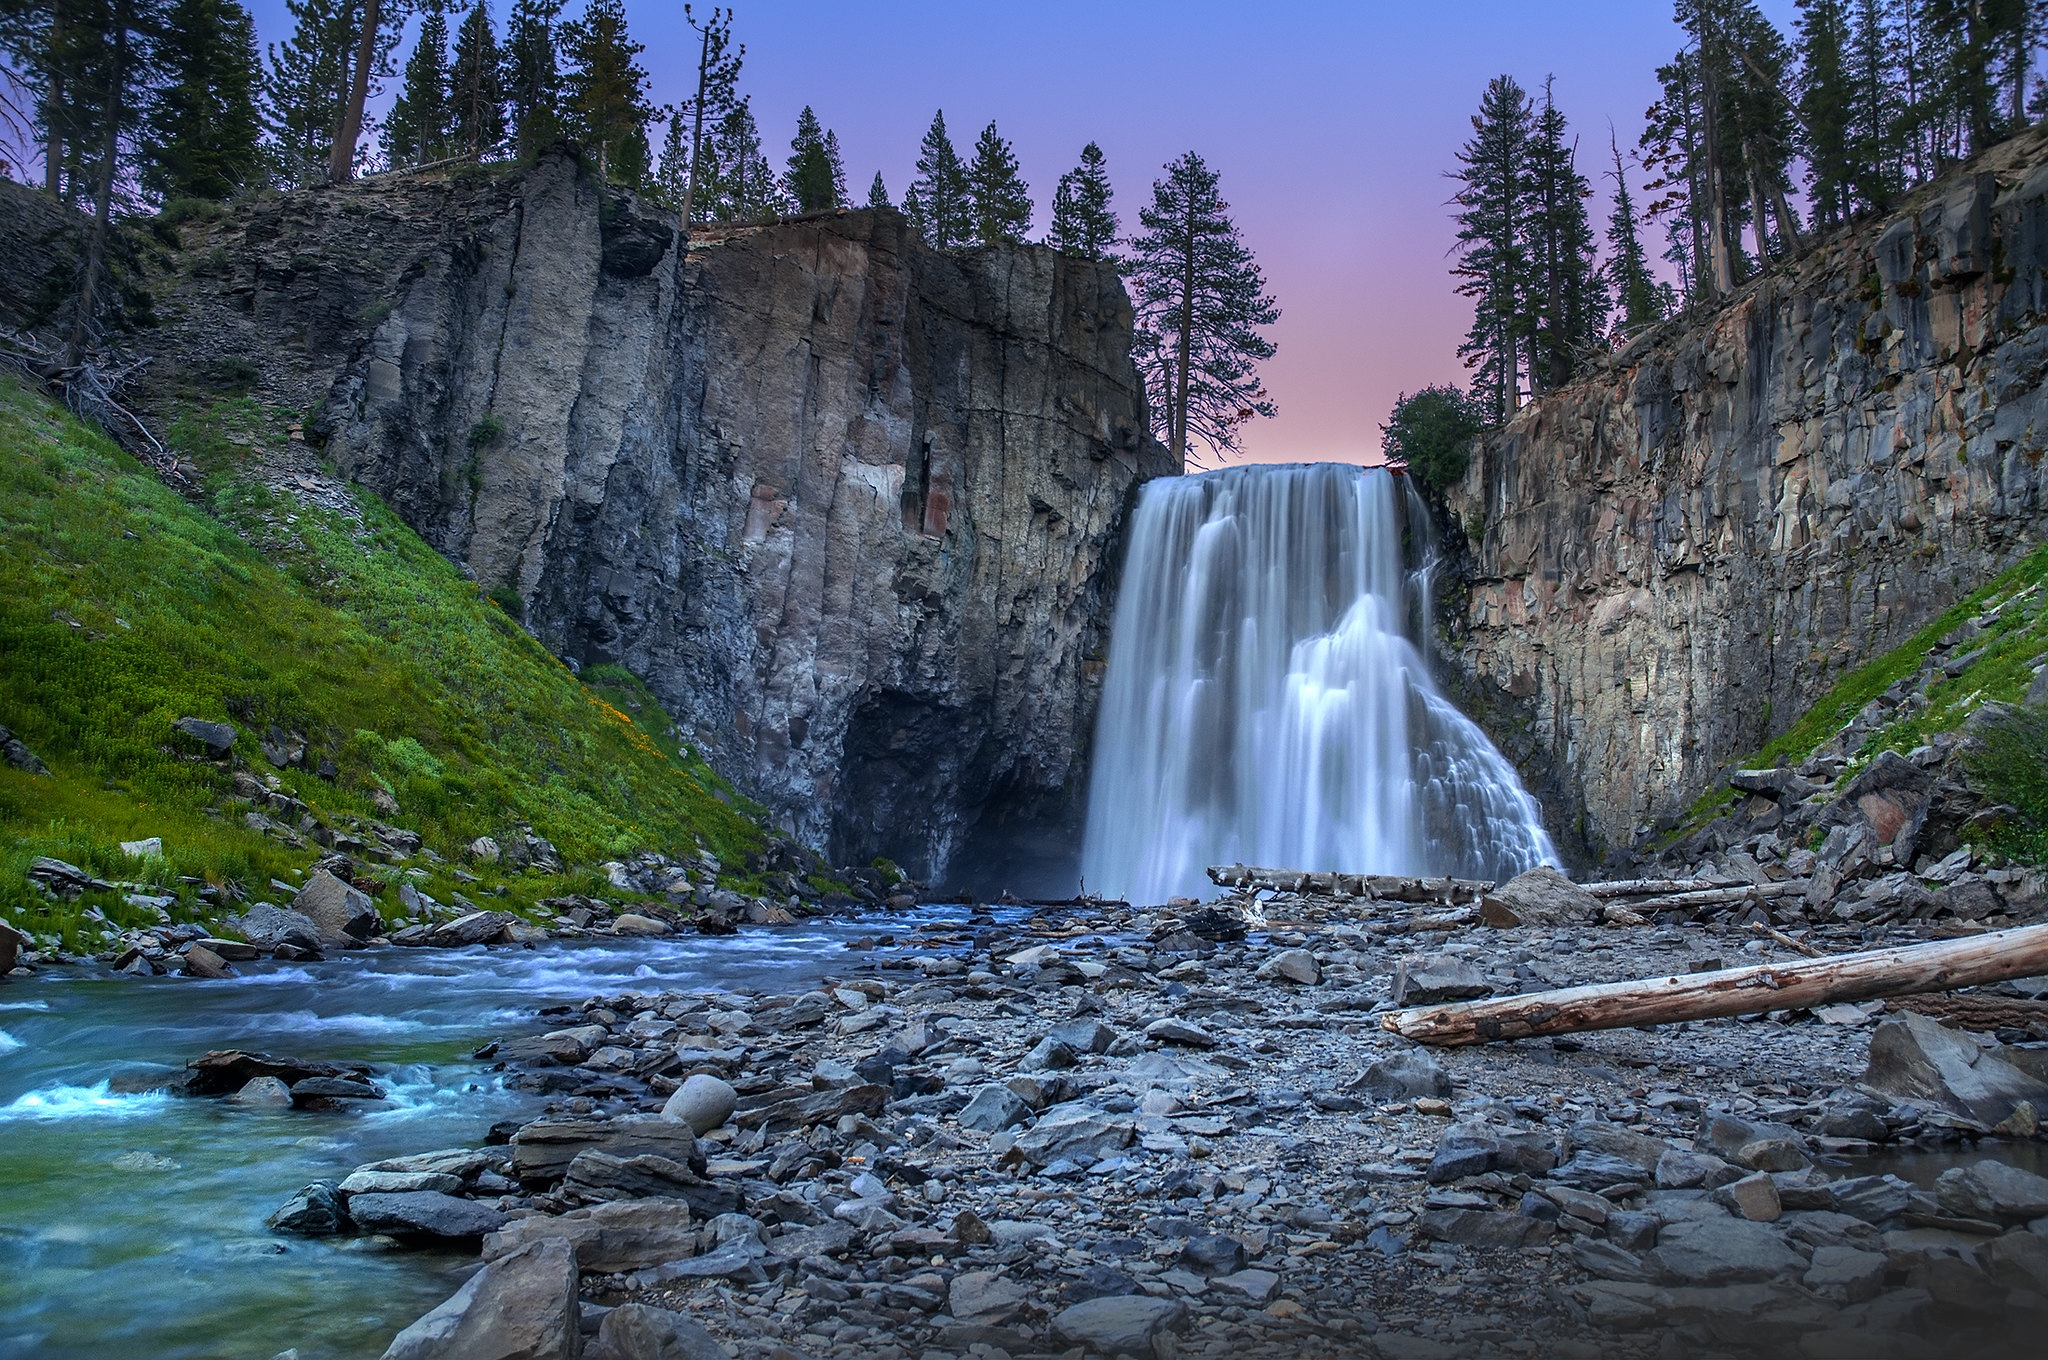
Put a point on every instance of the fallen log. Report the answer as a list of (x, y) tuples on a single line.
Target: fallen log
[(1711, 897), (1980, 1013), (1638, 887), (1388, 887), (1901, 971)]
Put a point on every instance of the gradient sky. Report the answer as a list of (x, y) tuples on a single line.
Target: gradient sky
[(1332, 126)]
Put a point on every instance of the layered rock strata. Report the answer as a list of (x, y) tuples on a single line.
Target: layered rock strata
[(1671, 559), (845, 504)]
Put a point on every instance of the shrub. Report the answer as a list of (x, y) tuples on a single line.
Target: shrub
[(1431, 431)]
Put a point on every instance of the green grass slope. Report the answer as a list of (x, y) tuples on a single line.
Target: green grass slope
[(124, 607)]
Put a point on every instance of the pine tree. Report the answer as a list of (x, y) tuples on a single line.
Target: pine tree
[(476, 87), (1874, 112), (533, 76), (1670, 151), (1824, 94), (203, 137), (1493, 256), (112, 87), (1628, 268), (1566, 307), (419, 128), (937, 202), (718, 74), (815, 180), (1200, 300), (1000, 200), (304, 89), (672, 172), (742, 184), (1082, 223), (607, 91), (373, 31), (878, 193)]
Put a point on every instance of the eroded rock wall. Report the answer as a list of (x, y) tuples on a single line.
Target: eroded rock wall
[(1673, 558), (847, 505)]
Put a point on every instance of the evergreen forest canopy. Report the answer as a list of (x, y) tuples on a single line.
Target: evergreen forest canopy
[(122, 107), (1859, 103)]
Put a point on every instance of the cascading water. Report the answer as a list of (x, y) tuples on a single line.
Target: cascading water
[(1266, 702)]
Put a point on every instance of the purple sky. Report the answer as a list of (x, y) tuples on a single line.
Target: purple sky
[(1331, 124)]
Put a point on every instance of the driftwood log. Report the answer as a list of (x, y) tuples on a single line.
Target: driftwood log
[(1640, 887), (1389, 887), (1935, 967)]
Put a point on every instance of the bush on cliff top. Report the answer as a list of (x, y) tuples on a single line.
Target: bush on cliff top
[(124, 608)]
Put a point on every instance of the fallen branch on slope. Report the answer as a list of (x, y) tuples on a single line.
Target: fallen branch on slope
[(1935, 967)]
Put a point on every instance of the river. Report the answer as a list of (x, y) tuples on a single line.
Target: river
[(133, 1225)]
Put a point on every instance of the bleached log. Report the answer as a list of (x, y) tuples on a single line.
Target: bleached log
[(1907, 969), (1748, 892), (1638, 887), (1387, 887)]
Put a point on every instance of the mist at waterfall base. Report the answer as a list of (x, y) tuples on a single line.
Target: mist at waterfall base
[(1268, 702)]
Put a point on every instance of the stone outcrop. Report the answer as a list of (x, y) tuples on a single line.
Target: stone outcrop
[(846, 505), (1672, 558)]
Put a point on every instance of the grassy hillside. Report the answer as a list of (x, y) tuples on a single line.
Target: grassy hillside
[(124, 607)]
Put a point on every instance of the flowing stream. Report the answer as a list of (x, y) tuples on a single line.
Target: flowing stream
[(132, 1225), (1269, 702)]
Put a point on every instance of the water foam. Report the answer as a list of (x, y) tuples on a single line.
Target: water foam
[(1267, 701), (8, 1043), (75, 1102)]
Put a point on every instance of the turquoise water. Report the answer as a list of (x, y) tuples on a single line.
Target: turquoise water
[(132, 1225)]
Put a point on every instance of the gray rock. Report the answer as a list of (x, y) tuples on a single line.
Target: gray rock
[(1084, 1035), (2018, 1260), (366, 1182), (478, 927), (1872, 1198), (423, 1213), (1678, 1169), (519, 1307), (315, 1211), (267, 926), (1845, 1274), (1917, 1059), (607, 1238), (19, 756), (1128, 1324), (1718, 1251), (1481, 1228), (543, 1150), (1472, 1149), (703, 1102), (1048, 1055), (1255, 1287), (334, 1088), (1407, 1075), (1544, 897), (1610, 1260), (636, 1331), (1213, 1254), (1782, 785), (263, 1093), (343, 915), (986, 1297), (1291, 965), (1728, 1135), (1172, 1031), (1079, 1132), (201, 962), (1597, 1171), (1612, 1140), (217, 738), (1994, 1191), (993, 1109), (739, 1259), (1424, 981)]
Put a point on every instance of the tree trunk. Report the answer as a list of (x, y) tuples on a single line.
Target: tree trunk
[(103, 216), (1179, 430), (53, 155), (1759, 220), (697, 129), (1720, 256), (341, 165), (1936, 967)]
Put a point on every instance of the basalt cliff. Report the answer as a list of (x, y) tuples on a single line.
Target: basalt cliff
[(845, 503), (1671, 559)]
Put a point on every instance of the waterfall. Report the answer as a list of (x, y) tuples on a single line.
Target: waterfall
[(1267, 701)]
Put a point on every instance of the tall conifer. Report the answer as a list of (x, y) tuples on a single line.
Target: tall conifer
[(607, 90), (1201, 301), (1636, 295), (533, 76), (1823, 92), (1566, 304), (815, 180), (878, 193), (1000, 201), (203, 136), (305, 87), (1083, 224), (743, 186), (419, 127), (1493, 254), (937, 203), (476, 87)]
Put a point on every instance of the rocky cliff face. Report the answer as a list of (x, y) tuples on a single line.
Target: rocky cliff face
[(1672, 558), (846, 504)]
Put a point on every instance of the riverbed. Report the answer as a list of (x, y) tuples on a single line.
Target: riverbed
[(133, 1224)]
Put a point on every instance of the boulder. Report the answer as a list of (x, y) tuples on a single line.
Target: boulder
[(1994, 1192), (263, 1093), (520, 1307), (217, 738), (230, 1069), (636, 1331), (1845, 1274), (316, 1211), (608, 1238), (1181, 1032), (19, 756), (1421, 980), (1291, 965), (478, 927), (1474, 1148), (596, 1175), (632, 923), (1122, 1324), (1084, 1035), (1079, 1132), (1543, 897), (1914, 1058), (993, 1109), (423, 1213), (1407, 1075), (267, 926), (986, 1297), (201, 962), (365, 1181), (703, 1102), (1781, 784), (342, 914), (323, 1089), (1717, 1251)]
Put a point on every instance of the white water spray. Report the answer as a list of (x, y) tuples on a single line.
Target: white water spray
[(1266, 704)]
